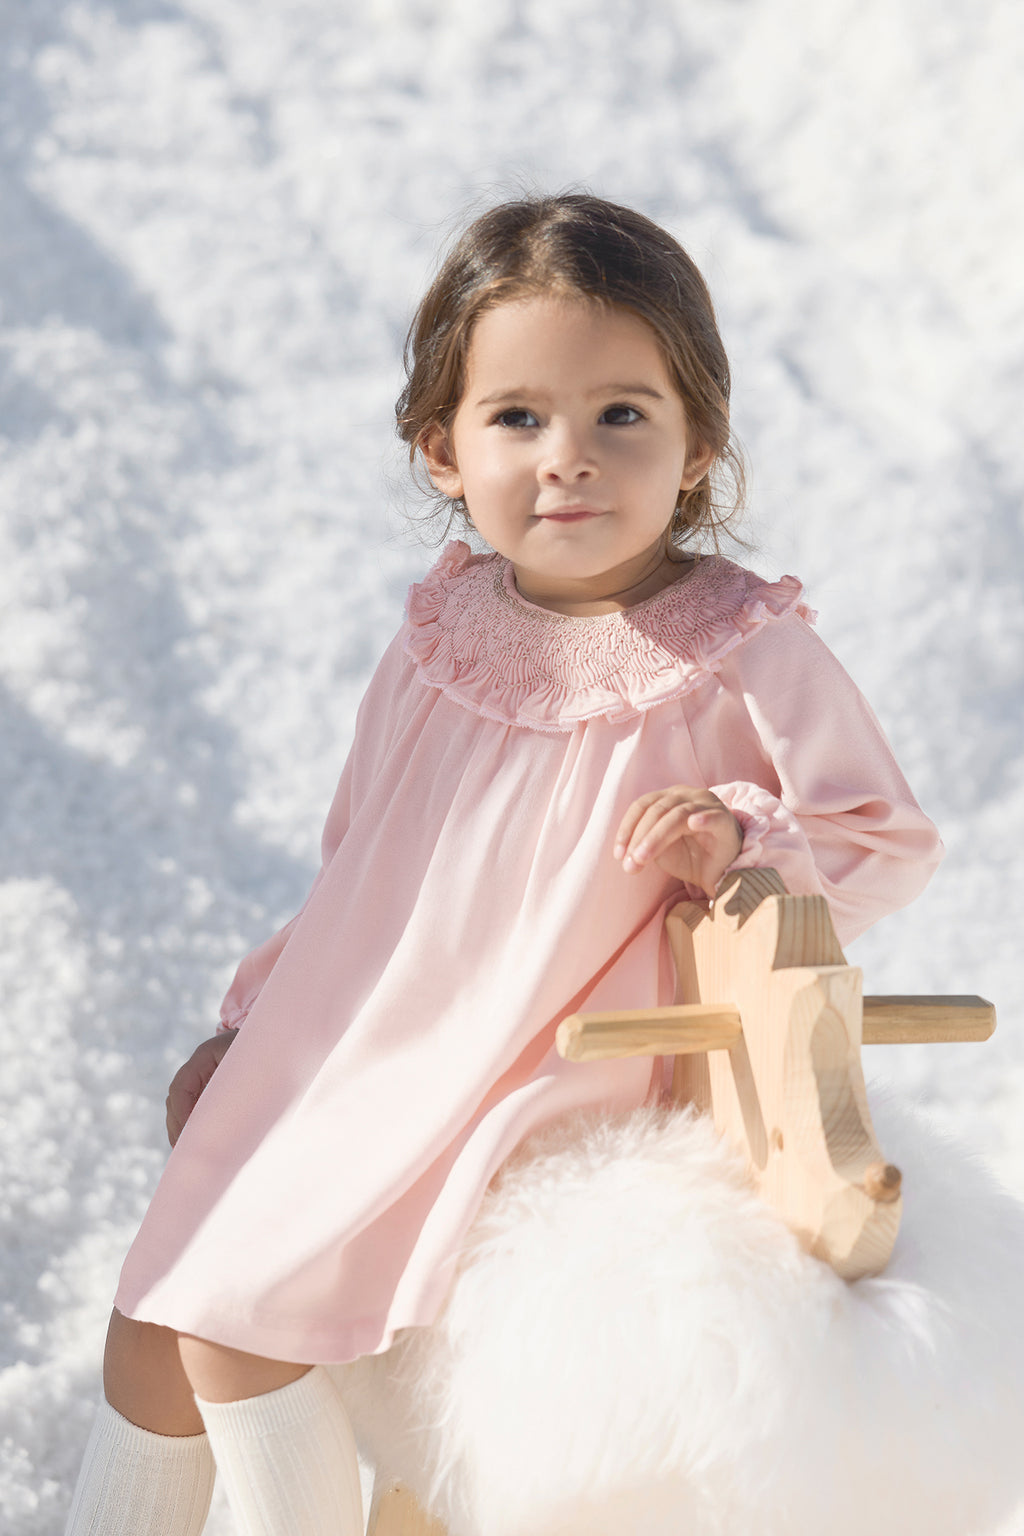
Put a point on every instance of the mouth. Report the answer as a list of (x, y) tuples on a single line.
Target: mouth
[(569, 514)]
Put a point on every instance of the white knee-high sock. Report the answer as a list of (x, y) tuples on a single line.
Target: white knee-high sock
[(134, 1483), (288, 1460)]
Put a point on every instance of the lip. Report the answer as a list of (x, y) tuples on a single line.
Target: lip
[(569, 514)]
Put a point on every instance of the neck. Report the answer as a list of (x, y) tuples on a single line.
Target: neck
[(610, 591)]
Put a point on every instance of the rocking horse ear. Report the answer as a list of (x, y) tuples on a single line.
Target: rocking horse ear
[(439, 456)]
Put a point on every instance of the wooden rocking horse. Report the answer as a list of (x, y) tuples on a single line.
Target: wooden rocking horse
[(766, 1038)]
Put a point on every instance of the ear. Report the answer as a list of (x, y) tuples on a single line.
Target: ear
[(698, 461), (436, 448)]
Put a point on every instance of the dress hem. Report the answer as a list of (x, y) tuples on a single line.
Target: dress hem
[(261, 1336)]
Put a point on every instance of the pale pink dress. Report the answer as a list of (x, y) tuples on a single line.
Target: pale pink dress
[(399, 1034)]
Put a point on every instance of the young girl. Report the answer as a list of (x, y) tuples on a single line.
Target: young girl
[(568, 733)]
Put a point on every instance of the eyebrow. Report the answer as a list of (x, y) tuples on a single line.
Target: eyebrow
[(524, 393)]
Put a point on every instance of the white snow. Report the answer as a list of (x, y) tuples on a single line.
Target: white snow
[(215, 218)]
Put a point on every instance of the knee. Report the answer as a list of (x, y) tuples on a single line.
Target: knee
[(143, 1379), (136, 1348)]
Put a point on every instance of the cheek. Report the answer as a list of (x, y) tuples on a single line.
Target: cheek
[(492, 467), (652, 465)]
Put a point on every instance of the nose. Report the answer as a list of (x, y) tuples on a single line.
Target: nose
[(568, 455)]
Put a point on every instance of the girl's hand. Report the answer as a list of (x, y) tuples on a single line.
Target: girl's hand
[(190, 1080), (687, 832)]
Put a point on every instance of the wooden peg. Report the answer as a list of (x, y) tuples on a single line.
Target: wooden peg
[(648, 1032), (921, 1020)]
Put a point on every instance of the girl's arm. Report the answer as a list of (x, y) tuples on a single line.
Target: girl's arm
[(798, 777), (378, 717), (258, 964), (795, 752), (375, 723), (191, 1078)]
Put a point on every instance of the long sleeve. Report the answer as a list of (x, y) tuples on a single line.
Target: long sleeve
[(794, 750), (256, 967), (377, 721)]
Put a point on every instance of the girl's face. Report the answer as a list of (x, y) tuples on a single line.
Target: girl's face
[(569, 447)]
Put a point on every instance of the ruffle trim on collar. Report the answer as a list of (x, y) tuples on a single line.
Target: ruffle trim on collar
[(471, 635)]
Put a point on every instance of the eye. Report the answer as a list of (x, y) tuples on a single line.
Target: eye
[(515, 418), (620, 416)]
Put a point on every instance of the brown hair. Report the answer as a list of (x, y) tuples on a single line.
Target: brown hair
[(579, 246)]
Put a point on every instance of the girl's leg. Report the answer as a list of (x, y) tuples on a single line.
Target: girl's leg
[(134, 1483), (148, 1469), (221, 1375), (144, 1379), (280, 1434), (282, 1441), (151, 1375)]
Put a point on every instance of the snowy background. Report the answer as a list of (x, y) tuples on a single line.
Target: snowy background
[(215, 218)]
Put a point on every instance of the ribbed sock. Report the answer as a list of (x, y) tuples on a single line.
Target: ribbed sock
[(135, 1483), (288, 1460)]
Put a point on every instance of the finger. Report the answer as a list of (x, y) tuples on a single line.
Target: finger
[(713, 816), (186, 1086), (188, 1082), (202, 1064), (659, 827), (644, 810), (180, 1104), (174, 1125), (191, 1079), (721, 826), (628, 824), (694, 842)]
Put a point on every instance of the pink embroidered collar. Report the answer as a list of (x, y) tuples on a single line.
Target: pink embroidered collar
[(472, 635)]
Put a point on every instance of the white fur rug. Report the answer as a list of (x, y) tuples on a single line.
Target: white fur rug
[(635, 1344)]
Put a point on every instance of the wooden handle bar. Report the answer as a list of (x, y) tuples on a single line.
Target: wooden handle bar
[(691, 1027)]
